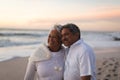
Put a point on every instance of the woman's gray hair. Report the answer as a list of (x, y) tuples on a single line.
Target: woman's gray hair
[(56, 27)]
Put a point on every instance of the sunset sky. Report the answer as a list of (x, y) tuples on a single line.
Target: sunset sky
[(97, 15)]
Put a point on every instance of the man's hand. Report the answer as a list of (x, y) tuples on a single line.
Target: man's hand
[(86, 77)]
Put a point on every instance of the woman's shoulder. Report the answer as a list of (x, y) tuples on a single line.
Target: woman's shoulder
[(42, 53)]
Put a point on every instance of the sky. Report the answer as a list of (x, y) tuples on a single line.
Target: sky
[(90, 15)]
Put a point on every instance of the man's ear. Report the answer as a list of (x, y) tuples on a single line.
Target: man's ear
[(77, 34)]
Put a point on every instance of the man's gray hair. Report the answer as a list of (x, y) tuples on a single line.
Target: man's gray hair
[(72, 27)]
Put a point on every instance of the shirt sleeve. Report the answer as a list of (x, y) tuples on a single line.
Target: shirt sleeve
[(85, 64), (30, 71)]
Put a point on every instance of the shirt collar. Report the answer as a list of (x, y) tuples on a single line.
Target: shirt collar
[(76, 43)]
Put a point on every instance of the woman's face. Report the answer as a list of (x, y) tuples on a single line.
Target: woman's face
[(54, 39)]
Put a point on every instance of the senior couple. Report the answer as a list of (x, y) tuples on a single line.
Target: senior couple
[(74, 60)]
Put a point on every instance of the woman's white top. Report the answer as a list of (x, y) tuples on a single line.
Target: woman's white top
[(49, 68)]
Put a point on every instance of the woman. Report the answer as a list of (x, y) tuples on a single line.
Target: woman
[(48, 60)]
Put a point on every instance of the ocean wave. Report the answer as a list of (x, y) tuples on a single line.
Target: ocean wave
[(19, 37), (18, 43), (8, 42), (22, 34)]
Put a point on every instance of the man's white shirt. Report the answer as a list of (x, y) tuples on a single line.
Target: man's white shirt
[(80, 61)]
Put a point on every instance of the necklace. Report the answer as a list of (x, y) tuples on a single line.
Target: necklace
[(57, 66)]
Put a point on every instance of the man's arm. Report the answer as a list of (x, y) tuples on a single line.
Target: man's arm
[(85, 77)]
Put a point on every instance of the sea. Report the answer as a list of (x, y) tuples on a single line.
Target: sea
[(22, 42)]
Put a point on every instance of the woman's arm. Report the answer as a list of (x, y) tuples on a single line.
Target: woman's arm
[(30, 71)]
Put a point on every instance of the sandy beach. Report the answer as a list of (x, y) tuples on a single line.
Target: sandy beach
[(13, 69), (108, 65)]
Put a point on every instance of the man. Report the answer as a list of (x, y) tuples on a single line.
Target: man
[(80, 61)]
